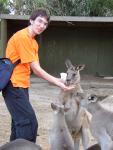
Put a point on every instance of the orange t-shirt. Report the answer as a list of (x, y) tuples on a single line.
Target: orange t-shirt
[(22, 46)]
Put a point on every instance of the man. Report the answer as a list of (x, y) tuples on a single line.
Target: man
[(22, 45)]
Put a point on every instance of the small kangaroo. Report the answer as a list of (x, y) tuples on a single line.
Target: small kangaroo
[(60, 137), (102, 121), (20, 144), (76, 118)]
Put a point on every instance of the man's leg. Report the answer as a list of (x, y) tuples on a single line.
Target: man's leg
[(24, 122), (13, 131)]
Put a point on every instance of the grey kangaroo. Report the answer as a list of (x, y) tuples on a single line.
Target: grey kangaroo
[(94, 147), (76, 117), (20, 144), (60, 137), (102, 121)]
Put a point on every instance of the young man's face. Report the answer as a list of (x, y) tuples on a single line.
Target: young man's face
[(39, 25)]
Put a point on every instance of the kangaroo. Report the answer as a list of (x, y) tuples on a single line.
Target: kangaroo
[(20, 144), (60, 137), (94, 147), (76, 118), (102, 121)]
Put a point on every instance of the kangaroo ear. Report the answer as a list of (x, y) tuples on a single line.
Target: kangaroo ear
[(81, 95), (80, 67), (53, 106), (68, 63)]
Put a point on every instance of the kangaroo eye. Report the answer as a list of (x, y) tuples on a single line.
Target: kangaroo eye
[(91, 98)]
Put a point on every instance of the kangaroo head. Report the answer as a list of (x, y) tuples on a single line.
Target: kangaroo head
[(73, 72), (59, 108), (95, 98), (91, 99)]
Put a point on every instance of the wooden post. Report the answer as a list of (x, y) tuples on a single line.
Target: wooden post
[(3, 37)]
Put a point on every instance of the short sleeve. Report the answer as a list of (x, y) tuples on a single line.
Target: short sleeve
[(28, 49)]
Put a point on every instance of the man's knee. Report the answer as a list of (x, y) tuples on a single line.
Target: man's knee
[(26, 129)]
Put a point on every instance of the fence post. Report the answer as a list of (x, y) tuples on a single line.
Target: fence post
[(3, 35)]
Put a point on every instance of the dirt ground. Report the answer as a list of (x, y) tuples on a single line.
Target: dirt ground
[(41, 95)]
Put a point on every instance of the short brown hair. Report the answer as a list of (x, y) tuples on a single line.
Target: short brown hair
[(40, 12)]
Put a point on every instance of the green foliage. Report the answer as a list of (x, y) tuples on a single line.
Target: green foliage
[(81, 7), (101, 7), (3, 7), (60, 7), (68, 7), (22, 7)]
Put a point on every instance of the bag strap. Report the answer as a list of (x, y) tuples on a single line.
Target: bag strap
[(16, 63)]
